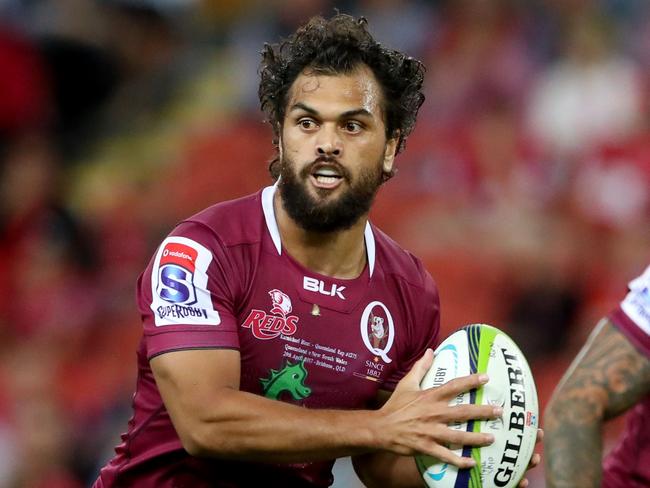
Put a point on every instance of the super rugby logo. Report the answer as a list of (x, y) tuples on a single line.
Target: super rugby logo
[(270, 325), (176, 273), (179, 284)]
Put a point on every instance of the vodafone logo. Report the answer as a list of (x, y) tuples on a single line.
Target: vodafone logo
[(265, 326), (177, 254)]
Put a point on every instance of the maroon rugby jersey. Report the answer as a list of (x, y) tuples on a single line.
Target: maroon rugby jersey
[(628, 465), (222, 280)]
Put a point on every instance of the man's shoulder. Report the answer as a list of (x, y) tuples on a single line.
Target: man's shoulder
[(642, 281), (632, 316), (400, 263), (235, 221), (636, 303)]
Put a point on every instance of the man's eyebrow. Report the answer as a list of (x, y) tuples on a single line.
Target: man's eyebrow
[(302, 106), (354, 113), (347, 114)]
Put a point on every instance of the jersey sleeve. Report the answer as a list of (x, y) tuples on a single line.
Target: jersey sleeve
[(423, 329), (186, 295), (632, 316)]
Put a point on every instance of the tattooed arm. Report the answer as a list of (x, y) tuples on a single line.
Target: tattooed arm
[(607, 377)]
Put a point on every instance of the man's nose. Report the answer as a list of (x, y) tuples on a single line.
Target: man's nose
[(329, 143)]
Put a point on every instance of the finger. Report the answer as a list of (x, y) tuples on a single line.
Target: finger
[(523, 483), (459, 438), (448, 456), (540, 436), (535, 460), (460, 385), (414, 377), (463, 413)]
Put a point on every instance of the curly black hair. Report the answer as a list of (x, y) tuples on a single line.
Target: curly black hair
[(339, 45)]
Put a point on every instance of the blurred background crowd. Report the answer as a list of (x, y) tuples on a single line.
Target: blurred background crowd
[(525, 187)]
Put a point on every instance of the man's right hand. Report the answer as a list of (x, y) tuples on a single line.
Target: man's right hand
[(415, 421)]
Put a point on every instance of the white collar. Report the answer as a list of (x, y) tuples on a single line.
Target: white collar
[(272, 226)]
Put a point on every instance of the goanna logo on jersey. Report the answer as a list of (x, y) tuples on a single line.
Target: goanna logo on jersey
[(290, 379), (179, 283), (267, 326)]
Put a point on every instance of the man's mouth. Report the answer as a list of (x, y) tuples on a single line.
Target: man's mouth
[(326, 176)]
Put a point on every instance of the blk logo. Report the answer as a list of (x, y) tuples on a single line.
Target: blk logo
[(318, 286)]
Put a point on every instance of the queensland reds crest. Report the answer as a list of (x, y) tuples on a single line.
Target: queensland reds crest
[(270, 325), (281, 303), (377, 329)]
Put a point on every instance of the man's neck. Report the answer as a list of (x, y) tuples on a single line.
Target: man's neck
[(339, 254)]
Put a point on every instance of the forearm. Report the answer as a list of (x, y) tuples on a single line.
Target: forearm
[(605, 379), (246, 426), (387, 470), (214, 418), (573, 446)]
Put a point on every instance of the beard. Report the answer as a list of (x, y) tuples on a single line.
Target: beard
[(341, 213)]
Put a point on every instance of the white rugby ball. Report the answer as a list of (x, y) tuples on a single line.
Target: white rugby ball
[(481, 348)]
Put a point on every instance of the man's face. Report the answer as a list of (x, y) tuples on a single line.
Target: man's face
[(333, 149)]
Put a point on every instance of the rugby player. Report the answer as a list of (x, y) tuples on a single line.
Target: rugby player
[(282, 330), (610, 376)]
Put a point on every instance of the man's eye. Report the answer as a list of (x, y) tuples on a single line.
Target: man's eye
[(353, 126), (306, 123)]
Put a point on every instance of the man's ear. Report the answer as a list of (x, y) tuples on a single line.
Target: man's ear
[(278, 131), (390, 152)]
